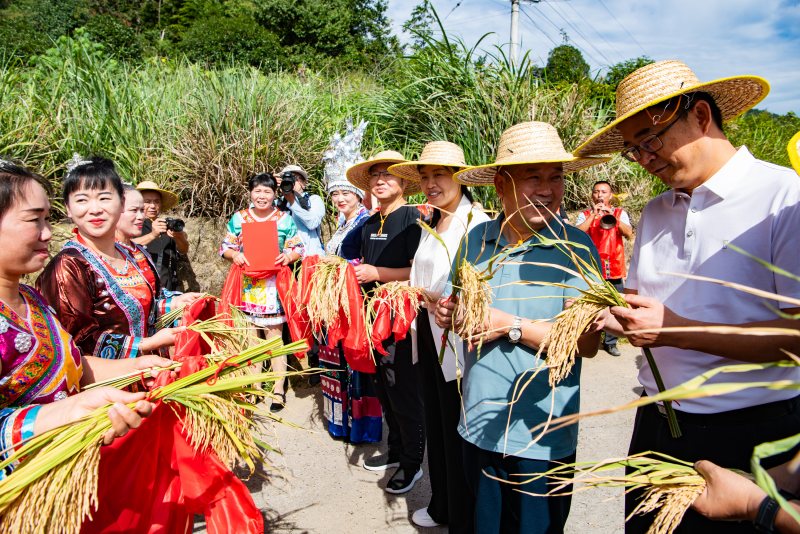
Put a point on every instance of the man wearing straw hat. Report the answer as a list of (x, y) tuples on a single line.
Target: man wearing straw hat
[(161, 242), (389, 241), (506, 390), (724, 209)]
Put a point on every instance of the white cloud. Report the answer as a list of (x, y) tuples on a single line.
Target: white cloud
[(717, 38)]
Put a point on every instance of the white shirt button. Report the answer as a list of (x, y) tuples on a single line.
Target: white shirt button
[(689, 233)]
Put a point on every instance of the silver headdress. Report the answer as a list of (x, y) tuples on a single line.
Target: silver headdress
[(5, 164), (343, 153), (76, 162)]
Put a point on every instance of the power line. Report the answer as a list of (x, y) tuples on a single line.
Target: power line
[(581, 34), (558, 29), (596, 32), (454, 8), (623, 27), (539, 28)]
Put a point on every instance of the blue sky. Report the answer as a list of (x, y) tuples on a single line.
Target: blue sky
[(716, 38)]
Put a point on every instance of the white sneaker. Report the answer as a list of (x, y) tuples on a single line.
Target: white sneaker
[(422, 519)]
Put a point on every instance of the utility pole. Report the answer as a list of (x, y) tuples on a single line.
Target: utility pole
[(514, 53)]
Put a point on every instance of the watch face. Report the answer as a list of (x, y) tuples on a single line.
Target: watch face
[(514, 334)]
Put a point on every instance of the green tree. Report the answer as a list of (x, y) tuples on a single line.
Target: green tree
[(420, 25), (565, 63), (356, 32), (118, 38), (220, 39)]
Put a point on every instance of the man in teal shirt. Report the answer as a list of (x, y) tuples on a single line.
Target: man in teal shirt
[(529, 177)]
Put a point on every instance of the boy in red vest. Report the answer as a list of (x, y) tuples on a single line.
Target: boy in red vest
[(607, 226)]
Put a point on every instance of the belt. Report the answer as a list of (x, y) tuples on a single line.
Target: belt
[(751, 414)]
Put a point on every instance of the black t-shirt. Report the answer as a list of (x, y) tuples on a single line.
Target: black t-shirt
[(165, 255), (397, 242)]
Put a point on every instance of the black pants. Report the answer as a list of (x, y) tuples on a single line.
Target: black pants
[(397, 383), (450, 497), (503, 508), (725, 438), (610, 339)]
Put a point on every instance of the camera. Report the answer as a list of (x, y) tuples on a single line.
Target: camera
[(175, 225), (287, 182)]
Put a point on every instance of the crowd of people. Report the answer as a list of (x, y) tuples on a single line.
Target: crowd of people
[(470, 403)]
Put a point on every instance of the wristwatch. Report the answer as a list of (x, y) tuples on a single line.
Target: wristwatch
[(767, 512), (515, 333)]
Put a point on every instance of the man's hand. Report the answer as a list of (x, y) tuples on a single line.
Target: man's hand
[(601, 209), (728, 496), (645, 314), (160, 226), (366, 273)]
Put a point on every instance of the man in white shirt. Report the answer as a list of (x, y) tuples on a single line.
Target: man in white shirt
[(720, 200)]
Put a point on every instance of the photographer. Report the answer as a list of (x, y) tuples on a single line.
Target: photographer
[(608, 226), (163, 238), (306, 210)]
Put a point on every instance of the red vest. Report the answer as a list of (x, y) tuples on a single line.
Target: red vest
[(610, 245)]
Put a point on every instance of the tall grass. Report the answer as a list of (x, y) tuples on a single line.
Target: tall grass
[(201, 132)]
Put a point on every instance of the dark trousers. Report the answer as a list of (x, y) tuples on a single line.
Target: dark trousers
[(449, 493), (610, 339), (499, 507), (397, 385), (725, 438)]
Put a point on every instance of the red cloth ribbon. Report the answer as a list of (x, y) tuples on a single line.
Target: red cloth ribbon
[(189, 343), (387, 324)]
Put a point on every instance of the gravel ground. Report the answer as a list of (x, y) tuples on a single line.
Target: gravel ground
[(317, 484)]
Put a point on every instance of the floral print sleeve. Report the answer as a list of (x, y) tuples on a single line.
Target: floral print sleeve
[(232, 240), (288, 238)]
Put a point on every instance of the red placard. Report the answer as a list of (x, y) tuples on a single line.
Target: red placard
[(260, 243)]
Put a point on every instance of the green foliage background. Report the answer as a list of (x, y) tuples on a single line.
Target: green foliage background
[(197, 94)]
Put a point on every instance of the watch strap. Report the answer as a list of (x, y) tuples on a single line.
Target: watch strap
[(767, 512)]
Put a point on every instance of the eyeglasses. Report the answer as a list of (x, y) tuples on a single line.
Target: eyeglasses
[(652, 144), (381, 174)]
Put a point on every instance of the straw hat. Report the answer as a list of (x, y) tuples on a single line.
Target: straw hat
[(660, 81), (794, 151), (524, 144), (439, 153), (358, 174), (168, 198)]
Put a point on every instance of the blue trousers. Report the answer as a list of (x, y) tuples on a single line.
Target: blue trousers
[(501, 507)]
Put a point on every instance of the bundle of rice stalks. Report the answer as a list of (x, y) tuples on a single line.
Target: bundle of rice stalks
[(327, 292), (402, 302), (56, 472), (474, 301), (669, 486), (224, 338)]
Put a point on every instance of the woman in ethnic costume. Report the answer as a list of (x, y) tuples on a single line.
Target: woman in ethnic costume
[(453, 216), (260, 300), (41, 370), (98, 292), (130, 226), (352, 409)]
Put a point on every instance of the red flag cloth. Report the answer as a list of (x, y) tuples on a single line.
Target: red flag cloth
[(231, 296), (355, 342), (289, 291), (188, 343)]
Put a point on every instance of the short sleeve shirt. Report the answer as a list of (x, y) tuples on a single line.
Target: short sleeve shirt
[(748, 203), (492, 380), (393, 243)]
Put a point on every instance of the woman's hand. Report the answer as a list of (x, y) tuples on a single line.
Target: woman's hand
[(186, 299), (366, 273), (85, 403), (283, 259), (163, 338), (153, 362), (240, 260), (445, 308)]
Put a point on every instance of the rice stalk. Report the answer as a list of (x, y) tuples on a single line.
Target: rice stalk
[(474, 301), (327, 293), (59, 466), (395, 295), (669, 486)]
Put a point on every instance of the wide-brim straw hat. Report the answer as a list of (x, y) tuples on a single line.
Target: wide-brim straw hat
[(168, 198), (663, 80), (794, 152), (526, 144), (358, 174), (435, 153)]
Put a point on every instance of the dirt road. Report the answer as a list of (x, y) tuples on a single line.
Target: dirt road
[(318, 485)]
